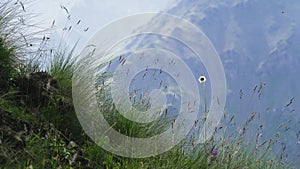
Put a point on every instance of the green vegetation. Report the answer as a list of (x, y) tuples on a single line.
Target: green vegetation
[(47, 134)]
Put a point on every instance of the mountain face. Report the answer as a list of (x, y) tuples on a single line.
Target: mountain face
[(258, 41)]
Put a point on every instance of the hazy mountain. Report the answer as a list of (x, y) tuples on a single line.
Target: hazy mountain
[(258, 41)]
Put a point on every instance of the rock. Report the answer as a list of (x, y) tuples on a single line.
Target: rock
[(3, 85), (37, 89)]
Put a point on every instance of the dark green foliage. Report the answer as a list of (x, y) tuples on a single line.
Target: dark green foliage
[(7, 70)]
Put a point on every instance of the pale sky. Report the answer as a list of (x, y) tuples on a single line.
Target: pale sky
[(93, 14)]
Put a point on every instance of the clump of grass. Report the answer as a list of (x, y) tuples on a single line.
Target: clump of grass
[(8, 43), (11, 26), (6, 64), (61, 66), (20, 35)]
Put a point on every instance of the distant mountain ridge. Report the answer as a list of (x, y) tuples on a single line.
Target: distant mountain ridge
[(258, 41)]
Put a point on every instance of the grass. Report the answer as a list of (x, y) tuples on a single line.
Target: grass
[(51, 137)]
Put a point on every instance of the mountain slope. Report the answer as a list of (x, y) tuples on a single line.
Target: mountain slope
[(258, 41)]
